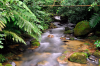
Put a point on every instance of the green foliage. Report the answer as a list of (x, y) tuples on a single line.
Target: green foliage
[(2, 58), (75, 14), (20, 17), (14, 36), (95, 19), (35, 43), (1, 43), (97, 43)]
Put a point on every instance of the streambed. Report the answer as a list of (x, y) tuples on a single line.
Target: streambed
[(51, 48)]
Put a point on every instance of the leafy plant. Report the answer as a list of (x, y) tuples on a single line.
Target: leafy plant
[(95, 19), (1, 43), (2, 58), (17, 17), (97, 43)]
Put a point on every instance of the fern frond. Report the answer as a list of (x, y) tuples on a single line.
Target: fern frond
[(26, 25), (15, 37), (2, 21), (94, 20)]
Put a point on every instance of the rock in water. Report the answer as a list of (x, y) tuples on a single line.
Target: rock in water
[(50, 36), (13, 63)]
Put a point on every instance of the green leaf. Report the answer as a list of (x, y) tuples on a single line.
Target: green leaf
[(1, 47)]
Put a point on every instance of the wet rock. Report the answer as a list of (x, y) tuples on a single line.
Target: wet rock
[(97, 54), (92, 60), (13, 63), (64, 19), (51, 36), (78, 57), (90, 34), (52, 25), (66, 28), (82, 28), (42, 63), (68, 32)]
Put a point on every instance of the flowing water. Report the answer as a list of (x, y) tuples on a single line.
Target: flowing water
[(50, 49)]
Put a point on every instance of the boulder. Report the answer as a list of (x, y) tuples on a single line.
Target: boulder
[(78, 57), (97, 54), (82, 28)]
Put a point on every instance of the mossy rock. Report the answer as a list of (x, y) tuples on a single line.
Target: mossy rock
[(68, 32), (8, 65), (97, 54), (35, 43), (82, 28), (71, 38), (78, 57)]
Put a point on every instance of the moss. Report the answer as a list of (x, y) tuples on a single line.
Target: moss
[(8, 65), (35, 43), (71, 38), (82, 28), (97, 54), (68, 32), (65, 52), (78, 57)]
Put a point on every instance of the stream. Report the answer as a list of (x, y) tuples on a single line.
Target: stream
[(50, 49)]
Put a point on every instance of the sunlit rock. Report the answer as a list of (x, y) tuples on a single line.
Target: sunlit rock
[(51, 36), (78, 57)]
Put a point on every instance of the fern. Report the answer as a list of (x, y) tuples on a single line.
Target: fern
[(94, 20), (14, 36)]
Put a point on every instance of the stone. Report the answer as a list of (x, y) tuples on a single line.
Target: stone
[(78, 57), (68, 32), (52, 26), (97, 54), (51, 36), (82, 28)]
